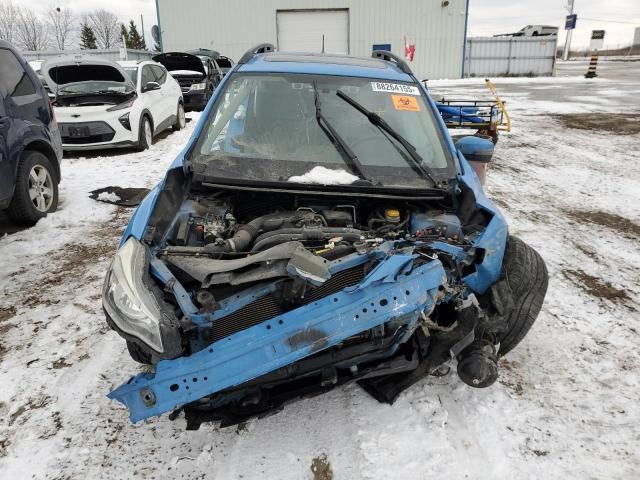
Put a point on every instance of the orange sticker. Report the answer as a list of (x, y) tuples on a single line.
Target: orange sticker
[(404, 102)]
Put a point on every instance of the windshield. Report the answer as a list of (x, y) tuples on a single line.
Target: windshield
[(96, 87), (269, 127), (133, 74)]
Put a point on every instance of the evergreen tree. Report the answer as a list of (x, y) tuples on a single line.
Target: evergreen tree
[(135, 41), (124, 36), (87, 38)]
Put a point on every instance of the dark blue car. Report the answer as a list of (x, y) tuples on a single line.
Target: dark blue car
[(30, 145), (319, 227)]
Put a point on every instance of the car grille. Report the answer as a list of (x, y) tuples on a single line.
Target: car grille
[(268, 307), (185, 83), (85, 132)]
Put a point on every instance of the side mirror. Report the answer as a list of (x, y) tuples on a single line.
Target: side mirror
[(478, 152), (150, 86)]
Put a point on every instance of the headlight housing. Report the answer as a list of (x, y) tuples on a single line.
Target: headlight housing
[(198, 86), (121, 106), (127, 300)]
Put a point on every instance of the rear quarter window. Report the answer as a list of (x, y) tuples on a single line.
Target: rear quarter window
[(14, 80)]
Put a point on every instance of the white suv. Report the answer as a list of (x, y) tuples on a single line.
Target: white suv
[(101, 104)]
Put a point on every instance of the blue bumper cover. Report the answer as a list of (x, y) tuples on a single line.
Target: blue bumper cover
[(393, 289)]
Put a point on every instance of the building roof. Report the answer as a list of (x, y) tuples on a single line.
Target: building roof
[(325, 64)]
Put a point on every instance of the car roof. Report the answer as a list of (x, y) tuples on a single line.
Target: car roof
[(325, 64)]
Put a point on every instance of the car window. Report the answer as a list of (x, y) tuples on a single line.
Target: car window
[(133, 73), (13, 79), (147, 75), (159, 73)]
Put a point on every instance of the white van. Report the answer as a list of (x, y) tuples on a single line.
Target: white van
[(536, 30)]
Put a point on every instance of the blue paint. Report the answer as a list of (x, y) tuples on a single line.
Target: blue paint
[(283, 340)]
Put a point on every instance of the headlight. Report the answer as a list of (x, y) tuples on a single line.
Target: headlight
[(198, 86), (121, 106), (127, 300)]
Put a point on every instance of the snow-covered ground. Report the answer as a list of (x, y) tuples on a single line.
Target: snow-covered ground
[(566, 404)]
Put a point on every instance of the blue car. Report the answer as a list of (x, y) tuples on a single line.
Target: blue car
[(319, 227)]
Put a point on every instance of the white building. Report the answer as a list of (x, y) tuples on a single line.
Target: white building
[(437, 28)]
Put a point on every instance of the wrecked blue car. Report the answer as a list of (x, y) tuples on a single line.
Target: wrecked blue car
[(320, 227)]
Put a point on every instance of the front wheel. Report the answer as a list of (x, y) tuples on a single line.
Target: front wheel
[(527, 277), (36, 190), (145, 134), (181, 119)]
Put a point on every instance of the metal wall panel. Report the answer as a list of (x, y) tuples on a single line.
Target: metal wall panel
[(233, 26), (510, 56)]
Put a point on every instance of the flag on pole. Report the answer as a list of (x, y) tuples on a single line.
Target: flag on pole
[(409, 50)]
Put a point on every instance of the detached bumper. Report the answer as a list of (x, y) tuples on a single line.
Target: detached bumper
[(391, 290)]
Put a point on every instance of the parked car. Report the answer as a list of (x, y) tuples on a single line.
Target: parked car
[(222, 63), (198, 76), (536, 30), (99, 105), (30, 146), (36, 66), (320, 227)]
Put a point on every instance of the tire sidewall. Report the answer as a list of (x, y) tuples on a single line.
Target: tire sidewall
[(142, 141), (28, 212)]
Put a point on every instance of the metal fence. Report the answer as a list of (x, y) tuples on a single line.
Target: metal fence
[(510, 56), (114, 54)]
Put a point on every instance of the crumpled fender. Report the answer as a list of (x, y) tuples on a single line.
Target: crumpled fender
[(494, 238), (287, 338)]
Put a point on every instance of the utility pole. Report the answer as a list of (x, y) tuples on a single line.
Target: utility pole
[(142, 23), (567, 41)]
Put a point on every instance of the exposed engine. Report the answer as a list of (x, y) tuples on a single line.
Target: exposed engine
[(221, 246)]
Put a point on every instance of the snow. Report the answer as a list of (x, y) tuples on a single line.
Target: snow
[(325, 176), (565, 406), (108, 197), (185, 72)]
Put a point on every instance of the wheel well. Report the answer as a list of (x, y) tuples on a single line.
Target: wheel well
[(147, 113), (47, 151)]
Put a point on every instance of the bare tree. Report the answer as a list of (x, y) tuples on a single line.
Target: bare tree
[(61, 23), (106, 27), (31, 32), (9, 14)]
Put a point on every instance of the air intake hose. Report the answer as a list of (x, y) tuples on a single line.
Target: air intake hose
[(247, 233)]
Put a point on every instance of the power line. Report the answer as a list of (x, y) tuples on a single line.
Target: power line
[(607, 21)]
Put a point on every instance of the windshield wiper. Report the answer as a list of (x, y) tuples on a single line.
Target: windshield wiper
[(417, 163), (351, 158)]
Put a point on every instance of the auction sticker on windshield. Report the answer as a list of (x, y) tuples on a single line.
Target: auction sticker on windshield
[(395, 88), (402, 102)]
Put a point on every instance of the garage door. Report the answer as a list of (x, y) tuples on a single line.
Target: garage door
[(302, 31)]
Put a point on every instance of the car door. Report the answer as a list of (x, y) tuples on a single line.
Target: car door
[(20, 102), (169, 99), (152, 99), (6, 180)]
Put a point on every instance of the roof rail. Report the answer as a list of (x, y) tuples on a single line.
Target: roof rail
[(390, 57), (262, 48)]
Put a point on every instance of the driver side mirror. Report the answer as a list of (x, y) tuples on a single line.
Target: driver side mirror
[(478, 152), (150, 86)]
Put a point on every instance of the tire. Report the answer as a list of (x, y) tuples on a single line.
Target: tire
[(137, 354), (36, 191), (527, 277), (181, 120), (144, 139)]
